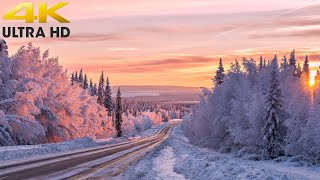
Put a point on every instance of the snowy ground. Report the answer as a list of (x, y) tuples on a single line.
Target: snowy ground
[(177, 159), (9, 153)]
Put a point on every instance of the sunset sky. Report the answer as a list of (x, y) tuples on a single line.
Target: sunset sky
[(176, 42)]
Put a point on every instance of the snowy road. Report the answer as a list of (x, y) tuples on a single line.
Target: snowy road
[(99, 162), (177, 159)]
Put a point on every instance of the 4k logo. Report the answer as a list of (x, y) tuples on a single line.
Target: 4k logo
[(44, 12)]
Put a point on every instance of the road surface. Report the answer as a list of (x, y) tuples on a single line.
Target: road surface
[(103, 162)]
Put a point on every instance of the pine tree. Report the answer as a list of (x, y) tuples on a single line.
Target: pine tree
[(3, 48), (76, 79), (306, 67), (95, 90), (218, 79), (292, 60), (91, 87), (85, 82), (261, 63), (118, 114), (72, 79), (264, 62), (317, 78), (101, 90), (298, 71), (284, 63), (272, 140), (108, 98), (81, 76)]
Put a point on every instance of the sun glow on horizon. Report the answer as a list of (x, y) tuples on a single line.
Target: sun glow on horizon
[(312, 80)]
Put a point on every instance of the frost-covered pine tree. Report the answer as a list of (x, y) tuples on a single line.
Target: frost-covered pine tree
[(72, 79), (298, 71), (272, 140), (261, 63), (293, 60), (317, 78), (91, 87), (306, 67), (76, 79), (108, 98), (118, 114), (101, 90), (81, 76), (218, 79), (284, 63), (95, 90), (3, 48), (85, 82)]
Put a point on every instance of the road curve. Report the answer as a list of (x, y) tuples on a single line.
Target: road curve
[(57, 166)]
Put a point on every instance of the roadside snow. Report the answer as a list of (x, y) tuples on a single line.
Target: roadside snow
[(177, 158), (8, 153), (18, 152), (164, 165)]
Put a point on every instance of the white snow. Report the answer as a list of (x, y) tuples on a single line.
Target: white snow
[(177, 158), (164, 165), (9, 153), (17, 152)]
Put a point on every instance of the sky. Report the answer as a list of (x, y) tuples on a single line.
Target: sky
[(152, 42)]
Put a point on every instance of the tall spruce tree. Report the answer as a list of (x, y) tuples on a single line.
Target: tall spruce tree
[(118, 114), (108, 98), (317, 78), (91, 87), (284, 63), (95, 90), (293, 60), (76, 79), (81, 76), (101, 90), (218, 79), (306, 69), (261, 63), (272, 140), (298, 71), (3, 48), (85, 82), (72, 79)]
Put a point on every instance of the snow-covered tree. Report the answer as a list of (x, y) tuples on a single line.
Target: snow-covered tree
[(218, 79), (72, 79), (108, 98), (81, 76), (95, 90), (261, 63), (298, 71), (3, 48), (284, 63), (76, 78), (317, 78), (101, 89), (85, 82), (91, 88), (306, 69), (273, 141), (293, 60), (118, 114)]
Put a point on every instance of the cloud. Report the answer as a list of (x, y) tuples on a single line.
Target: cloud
[(149, 66)]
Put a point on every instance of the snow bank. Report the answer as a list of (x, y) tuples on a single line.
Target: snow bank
[(192, 162), (18, 152)]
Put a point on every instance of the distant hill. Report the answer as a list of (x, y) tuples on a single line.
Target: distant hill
[(159, 93)]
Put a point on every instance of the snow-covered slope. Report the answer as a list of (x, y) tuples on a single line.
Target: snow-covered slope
[(178, 159)]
